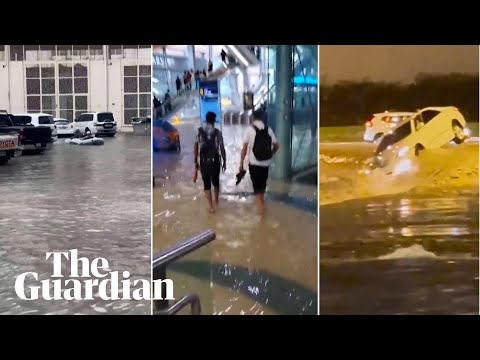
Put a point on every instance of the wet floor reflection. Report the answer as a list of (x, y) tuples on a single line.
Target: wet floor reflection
[(252, 267), (400, 255), (92, 198)]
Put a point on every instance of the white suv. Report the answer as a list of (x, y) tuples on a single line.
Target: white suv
[(100, 123), (38, 119), (430, 128), (382, 123)]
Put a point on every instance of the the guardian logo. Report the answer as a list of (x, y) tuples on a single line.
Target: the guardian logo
[(82, 286)]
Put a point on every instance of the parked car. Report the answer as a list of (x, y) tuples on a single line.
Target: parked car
[(382, 123), (165, 136), (429, 128), (64, 127), (100, 123), (9, 146), (32, 138), (38, 119)]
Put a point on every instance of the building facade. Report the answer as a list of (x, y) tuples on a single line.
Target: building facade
[(67, 80)]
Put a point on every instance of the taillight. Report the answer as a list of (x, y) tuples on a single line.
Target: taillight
[(20, 137), (369, 123)]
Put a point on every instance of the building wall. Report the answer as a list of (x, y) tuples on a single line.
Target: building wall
[(68, 80)]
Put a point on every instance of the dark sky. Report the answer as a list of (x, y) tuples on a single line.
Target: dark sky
[(394, 62)]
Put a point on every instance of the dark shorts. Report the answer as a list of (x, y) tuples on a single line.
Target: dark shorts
[(259, 176), (210, 170)]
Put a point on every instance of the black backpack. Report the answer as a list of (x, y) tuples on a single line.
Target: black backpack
[(262, 147), (209, 149)]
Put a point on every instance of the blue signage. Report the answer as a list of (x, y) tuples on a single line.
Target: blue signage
[(210, 100)]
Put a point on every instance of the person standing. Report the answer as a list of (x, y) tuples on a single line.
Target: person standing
[(209, 147), (261, 145), (178, 84)]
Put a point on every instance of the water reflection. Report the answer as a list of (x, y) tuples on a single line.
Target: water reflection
[(374, 257), (94, 199)]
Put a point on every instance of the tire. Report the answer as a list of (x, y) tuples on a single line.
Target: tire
[(418, 149), (3, 161), (459, 133), (377, 136), (110, 135)]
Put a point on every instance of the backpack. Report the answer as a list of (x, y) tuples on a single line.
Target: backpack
[(209, 148), (262, 147)]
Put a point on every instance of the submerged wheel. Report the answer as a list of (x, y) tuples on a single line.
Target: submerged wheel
[(418, 149), (3, 161), (459, 133)]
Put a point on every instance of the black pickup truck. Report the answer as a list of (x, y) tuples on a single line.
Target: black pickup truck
[(34, 139)]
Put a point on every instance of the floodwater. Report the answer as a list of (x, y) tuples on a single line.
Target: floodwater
[(95, 199), (401, 254), (252, 267)]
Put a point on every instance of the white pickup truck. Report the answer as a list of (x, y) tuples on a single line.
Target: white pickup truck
[(9, 147)]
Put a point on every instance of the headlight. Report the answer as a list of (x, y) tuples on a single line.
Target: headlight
[(403, 151), (166, 139), (402, 167), (467, 132)]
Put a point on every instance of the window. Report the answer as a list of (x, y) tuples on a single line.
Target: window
[(400, 133), (16, 52), (2, 52), (136, 91), (85, 118), (73, 89), (96, 52), (40, 82), (428, 115), (46, 120), (22, 120), (102, 117)]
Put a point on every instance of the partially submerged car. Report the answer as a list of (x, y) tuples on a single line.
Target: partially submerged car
[(165, 136), (382, 123), (429, 128)]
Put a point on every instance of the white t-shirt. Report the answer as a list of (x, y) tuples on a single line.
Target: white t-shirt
[(249, 138)]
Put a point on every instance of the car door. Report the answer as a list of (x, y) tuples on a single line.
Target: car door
[(79, 124)]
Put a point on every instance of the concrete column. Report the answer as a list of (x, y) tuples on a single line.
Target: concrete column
[(283, 112), (191, 56)]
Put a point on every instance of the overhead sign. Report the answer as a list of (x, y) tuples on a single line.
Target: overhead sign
[(210, 100)]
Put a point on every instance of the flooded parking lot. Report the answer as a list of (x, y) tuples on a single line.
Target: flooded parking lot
[(92, 198)]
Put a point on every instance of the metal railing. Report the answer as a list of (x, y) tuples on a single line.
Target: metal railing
[(159, 267)]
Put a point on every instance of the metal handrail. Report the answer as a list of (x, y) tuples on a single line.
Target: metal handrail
[(164, 258), (184, 248), (192, 299)]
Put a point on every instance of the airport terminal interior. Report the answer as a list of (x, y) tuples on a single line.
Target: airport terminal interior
[(253, 266)]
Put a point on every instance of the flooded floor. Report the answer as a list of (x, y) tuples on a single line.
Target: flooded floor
[(400, 254), (95, 199), (252, 267)]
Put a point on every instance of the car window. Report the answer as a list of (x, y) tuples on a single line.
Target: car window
[(167, 126), (102, 117), (85, 118), (20, 120), (5, 120), (428, 115), (400, 133), (46, 120)]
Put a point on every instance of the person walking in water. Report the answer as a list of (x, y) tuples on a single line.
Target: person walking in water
[(261, 145), (209, 147)]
